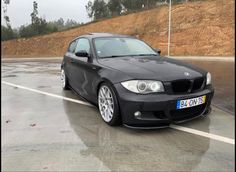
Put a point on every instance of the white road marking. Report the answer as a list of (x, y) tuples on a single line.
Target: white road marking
[(48, 94), (185, 129), (204, 134)]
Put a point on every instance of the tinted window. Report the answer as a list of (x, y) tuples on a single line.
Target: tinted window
[(106, 47), (72, 47), (82, 44)]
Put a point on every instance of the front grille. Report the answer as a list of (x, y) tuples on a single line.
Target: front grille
[(198, 83), (181, 86), (187, 113), (187, 85)]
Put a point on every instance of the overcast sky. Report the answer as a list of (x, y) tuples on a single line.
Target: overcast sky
[(19, 10)]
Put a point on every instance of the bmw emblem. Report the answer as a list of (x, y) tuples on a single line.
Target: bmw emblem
[(186, 74)]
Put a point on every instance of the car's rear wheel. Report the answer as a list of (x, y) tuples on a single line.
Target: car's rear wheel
[(108, 105), (64, 80)]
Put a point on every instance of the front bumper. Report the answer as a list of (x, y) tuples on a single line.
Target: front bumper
[(159, 110)]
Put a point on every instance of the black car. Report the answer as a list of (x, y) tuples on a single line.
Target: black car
[(131, 83)]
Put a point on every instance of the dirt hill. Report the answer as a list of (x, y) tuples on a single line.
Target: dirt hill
[(198, 28)]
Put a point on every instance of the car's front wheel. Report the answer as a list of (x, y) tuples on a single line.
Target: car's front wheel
[(108, 105), (64, 80)]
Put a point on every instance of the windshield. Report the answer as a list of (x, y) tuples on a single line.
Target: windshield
[(118, 47)]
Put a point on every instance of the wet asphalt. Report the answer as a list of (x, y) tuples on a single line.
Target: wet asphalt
[(42, 133), (223, 79)]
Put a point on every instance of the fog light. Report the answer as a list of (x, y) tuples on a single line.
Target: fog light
[(137, 114)]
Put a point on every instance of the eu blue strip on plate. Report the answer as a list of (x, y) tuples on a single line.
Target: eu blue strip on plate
[(178, 104)]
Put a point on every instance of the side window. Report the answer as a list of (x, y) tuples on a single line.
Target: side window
[(82, 44), (72, 46)]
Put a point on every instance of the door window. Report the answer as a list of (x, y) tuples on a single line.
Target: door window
[(72, 46), (83, 44)]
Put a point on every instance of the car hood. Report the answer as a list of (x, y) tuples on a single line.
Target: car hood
[(153, 68)]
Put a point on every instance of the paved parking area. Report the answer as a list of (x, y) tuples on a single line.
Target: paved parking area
[(47, 129)]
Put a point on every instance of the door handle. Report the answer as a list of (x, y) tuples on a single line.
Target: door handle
[(72, 61)]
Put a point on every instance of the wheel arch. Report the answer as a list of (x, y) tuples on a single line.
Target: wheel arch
[(105, 80)]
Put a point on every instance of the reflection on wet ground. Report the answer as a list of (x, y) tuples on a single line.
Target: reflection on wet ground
[(69, 136), (48, 134), (223, 79)]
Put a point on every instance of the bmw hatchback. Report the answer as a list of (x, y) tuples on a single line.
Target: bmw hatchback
[(131, 83)]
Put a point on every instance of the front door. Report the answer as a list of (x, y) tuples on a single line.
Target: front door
[(81, 65)]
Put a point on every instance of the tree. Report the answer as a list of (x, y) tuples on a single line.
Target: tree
[(70, 23), (60, 24), (39, 25), (114, 7), (6, 17), (133, 5), (8, 33), (26, 31), (89, 9), (97, 10), (34, 17)]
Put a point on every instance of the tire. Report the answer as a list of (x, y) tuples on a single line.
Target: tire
[(108, 105), (208, 111), (64, 80)]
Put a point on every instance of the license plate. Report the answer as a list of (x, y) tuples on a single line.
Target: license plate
[(181, 104)]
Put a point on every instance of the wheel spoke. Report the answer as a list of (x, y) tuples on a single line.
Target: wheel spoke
[(103, 93), (107, 114), (111, 110)]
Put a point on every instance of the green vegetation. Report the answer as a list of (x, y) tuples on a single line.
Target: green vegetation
[(8, 33), (99, 9), (96, 9), (38, 26)]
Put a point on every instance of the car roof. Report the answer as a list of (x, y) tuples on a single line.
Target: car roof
[(97, 35)]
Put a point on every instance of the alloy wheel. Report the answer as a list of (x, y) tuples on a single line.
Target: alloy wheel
[(106, 103), (63, 78)]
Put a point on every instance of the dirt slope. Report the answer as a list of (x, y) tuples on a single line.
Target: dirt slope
[(198, 28)]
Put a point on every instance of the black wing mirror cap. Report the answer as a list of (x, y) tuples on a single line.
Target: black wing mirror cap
[(82, 53), (158, 51)]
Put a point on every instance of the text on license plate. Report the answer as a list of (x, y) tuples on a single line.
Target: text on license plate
[(191, 102)]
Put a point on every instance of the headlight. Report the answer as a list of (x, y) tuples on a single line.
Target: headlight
[(143, 86), (208, 79)]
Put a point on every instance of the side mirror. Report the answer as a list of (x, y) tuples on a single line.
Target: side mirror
[(158, 51), (82, 53)]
